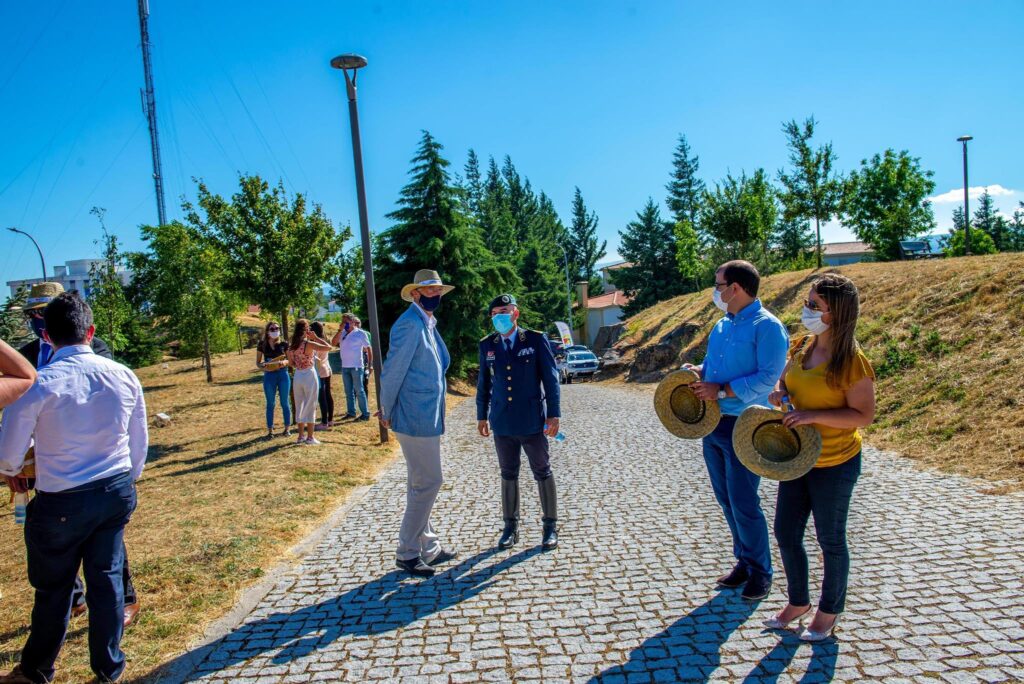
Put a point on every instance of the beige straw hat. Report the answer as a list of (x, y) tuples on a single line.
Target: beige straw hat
[(42, 294), (425, 278), (770, 449), (680, 411)]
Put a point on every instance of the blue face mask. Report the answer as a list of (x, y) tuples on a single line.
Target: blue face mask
[(348, 326), (502, 322), (430, 303), (38, 325)]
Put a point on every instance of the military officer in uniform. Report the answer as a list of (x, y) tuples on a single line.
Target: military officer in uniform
[(517, 398)]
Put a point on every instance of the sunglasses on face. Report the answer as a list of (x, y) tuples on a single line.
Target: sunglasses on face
[(275, 329), (814, 306)]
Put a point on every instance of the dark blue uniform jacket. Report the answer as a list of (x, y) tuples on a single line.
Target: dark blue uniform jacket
[(517, 393)]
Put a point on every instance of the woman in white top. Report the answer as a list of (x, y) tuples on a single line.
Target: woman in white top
[(306, 382), (353, 340)]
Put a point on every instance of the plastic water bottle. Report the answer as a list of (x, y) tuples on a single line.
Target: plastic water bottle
[(560, 437), (20, 504)]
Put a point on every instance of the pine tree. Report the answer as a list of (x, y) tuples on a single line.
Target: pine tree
[(685, 189), (473, 185), (691, 266), (433, 230), (987, 218), (582, 244), (648, 244), (1017, 229)]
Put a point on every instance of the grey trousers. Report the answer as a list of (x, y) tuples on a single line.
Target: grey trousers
[(423, 459)]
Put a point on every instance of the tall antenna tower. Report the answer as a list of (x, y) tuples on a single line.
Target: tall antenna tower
[(149, 109)]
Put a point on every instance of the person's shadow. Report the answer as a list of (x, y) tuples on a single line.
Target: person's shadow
[(387, 603), (690, 646), (822, 667)]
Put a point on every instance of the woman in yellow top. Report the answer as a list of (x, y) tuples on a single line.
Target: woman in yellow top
[(831, 385)]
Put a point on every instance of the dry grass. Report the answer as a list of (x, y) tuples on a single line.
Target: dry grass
[(218, 506), (945, 338)]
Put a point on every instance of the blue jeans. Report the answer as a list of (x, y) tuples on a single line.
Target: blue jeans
[(825, 493), (277, 383), (736, 490), (353, 379), (81, 526)]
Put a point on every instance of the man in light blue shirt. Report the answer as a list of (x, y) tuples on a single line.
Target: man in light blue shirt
[(88, 417), (746, 356)]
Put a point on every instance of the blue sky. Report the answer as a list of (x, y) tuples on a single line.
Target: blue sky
[(588, 94)]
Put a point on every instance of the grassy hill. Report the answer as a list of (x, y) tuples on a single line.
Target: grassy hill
[(946, 338)]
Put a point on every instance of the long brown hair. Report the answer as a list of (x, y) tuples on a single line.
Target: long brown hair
[(267, 342), (299, 336), (843, 301)]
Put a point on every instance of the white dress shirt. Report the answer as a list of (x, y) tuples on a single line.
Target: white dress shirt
[(352, 346), (88, 417)]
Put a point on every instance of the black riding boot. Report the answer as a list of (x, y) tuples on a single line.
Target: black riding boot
[(510, 511), (549, 509)]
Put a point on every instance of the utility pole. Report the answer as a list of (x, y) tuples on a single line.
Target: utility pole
[(149, 109), (967, 217)]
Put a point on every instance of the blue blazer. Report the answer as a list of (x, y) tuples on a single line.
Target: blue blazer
[(516, 394), (412, 384)]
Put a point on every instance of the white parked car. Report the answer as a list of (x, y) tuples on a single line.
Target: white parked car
[(578, 364)]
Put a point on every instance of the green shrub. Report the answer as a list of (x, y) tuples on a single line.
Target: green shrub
[(895, 359)]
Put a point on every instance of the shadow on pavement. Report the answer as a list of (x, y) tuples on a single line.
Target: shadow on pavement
[(387, 603), (822, 667), (690, 646)]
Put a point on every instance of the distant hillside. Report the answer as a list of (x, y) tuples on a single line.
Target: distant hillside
[(946, 338)]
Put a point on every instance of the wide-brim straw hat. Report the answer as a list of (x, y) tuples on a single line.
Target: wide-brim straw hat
[(770, 449), (679, 409), (425, 278), (42, 294)]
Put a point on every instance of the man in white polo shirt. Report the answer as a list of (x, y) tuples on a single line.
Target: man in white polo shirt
[(352, 340), (88, 417)]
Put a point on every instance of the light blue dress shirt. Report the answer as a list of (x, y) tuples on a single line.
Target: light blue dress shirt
[(88, 416), (748, 351)]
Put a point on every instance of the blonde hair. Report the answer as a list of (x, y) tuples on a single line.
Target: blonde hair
[(843, 301)]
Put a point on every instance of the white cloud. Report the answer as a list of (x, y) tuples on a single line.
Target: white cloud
[(957, 195)]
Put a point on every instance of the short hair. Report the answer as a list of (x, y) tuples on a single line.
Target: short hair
[(744, 273), (68, 319), (317, 327)]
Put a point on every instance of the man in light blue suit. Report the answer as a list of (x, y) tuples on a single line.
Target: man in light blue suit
[(412, 403)]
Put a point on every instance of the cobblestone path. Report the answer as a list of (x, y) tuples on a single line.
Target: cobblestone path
[(936, 592)]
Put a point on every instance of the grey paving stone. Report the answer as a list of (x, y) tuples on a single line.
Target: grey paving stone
[(935, 593)]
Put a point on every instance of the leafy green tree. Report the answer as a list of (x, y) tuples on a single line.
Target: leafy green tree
[(582, 245), (739, 216), (278, 251), (13, 329), (107, 298), (433, 230), (794, 240), (348, 285), (981, 243), (648, 244), (887, 201), (811, 190), (185, 269), (685, 188), (692, 267)]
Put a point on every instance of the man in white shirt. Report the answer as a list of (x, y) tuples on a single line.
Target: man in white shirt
[(88, 417), (352, 340)]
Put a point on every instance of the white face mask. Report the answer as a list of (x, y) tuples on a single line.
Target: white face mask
[(274, 334), (717, 297), (812, 321)]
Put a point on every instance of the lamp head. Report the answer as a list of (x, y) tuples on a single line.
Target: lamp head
[(965, 138), (348, 61)]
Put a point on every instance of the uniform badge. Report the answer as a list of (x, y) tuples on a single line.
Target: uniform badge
[(525, 352)]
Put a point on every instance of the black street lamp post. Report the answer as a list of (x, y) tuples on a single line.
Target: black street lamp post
[(349, 64), (967, 216), (42, 261)]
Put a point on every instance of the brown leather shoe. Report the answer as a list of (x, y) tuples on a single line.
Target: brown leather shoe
[(15, 676), (131, 610), (79, 609)]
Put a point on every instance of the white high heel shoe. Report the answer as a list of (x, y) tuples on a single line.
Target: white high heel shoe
[(813, 636), (776, 623)]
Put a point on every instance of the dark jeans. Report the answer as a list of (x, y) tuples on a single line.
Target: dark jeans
[(736, 490), (81, 526), (78, 597), (825, 493), (326, 401), (509, 449)]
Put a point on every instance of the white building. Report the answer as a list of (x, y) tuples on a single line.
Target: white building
[(73, 275), (605, 309)]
